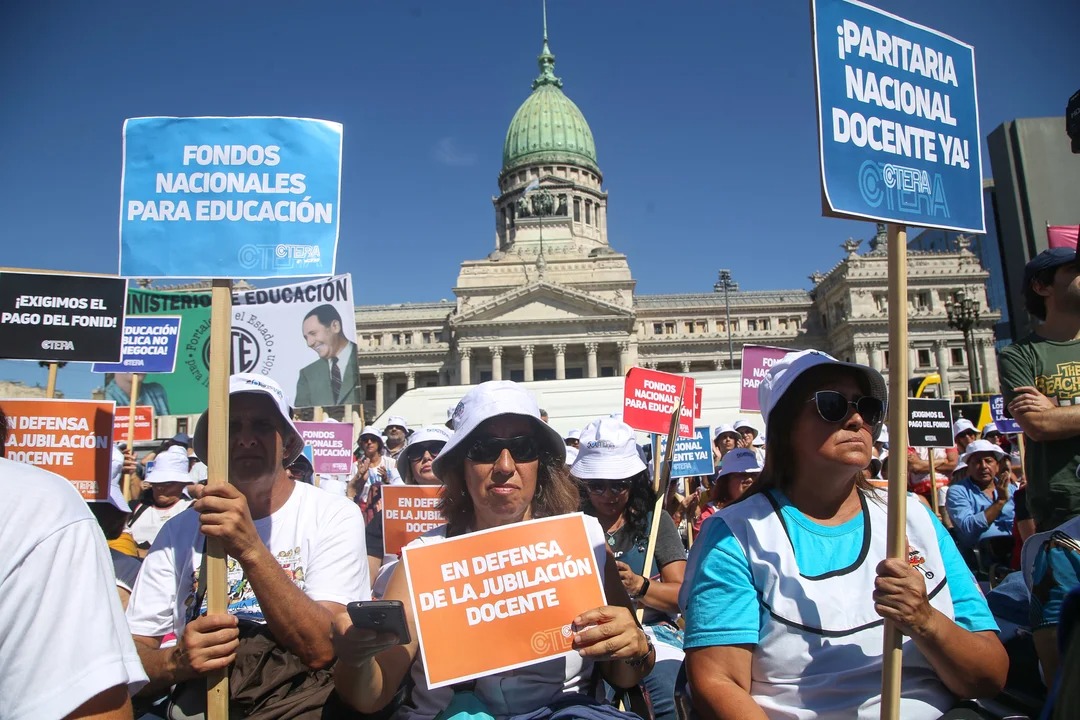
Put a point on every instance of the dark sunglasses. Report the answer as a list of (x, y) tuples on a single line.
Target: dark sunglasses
[(416, 452), (833, 407), (599, 487), (523, 448)]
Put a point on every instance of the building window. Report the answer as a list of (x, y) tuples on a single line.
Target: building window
[(399, 390), (427, 338), (734, 326), (721, 326), (181, 425), (669, 328), (881, 301), (437, 336), (701, 326), (376, 340), (689, 325), (921, 300), (577, 210), (407, 337), (369, 393), (588, 212), (765, 323), (923, 357), (574, 373), (396, 339), (886, 354), (957, 356), (751, 325), (365, 340), (485, 375), (607, 371), (658, 329)]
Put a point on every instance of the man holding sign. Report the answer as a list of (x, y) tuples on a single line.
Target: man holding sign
[(295, 553), (503, 465)]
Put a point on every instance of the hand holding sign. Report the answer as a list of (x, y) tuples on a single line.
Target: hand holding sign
[(609, 633)]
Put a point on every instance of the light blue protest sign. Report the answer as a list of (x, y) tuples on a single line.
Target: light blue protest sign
[(692, 456), (216, 197), (898, 120), (1006, 425), (149, 346)]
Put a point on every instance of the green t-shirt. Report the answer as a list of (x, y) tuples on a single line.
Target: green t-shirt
[(1053, 368)]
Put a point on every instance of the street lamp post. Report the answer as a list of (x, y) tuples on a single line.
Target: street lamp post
[(725, 283), (963, 315)]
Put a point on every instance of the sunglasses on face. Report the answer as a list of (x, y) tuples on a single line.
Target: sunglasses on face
[(416, 452), (834, 407), (523, 448), (599, 487)]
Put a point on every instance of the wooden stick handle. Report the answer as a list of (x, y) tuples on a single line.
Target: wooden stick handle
[(933, 483), (50, 384), (129, 480)]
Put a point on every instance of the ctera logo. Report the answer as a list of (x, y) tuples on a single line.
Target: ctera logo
[(906, 189), (57, 345), (244, 354)]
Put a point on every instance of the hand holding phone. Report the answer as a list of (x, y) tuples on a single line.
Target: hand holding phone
[(381, 616)]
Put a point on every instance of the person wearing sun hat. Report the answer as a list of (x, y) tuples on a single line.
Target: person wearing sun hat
[(741, 468), (503, 465), (374, 468), (295, 553), (112, 514), (168, 479), (725, 438), (802, 556), (981, 505)]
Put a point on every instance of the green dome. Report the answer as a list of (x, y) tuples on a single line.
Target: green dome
[(548, 127)]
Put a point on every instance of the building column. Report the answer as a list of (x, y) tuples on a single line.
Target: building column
[(560, 360), (686, 366), (379, 398), (624, 357), (874, 360), (465, 368), (528, 350), (496, 362), (590, 358), (988, 365), (941, 355), (718, 364), (633, 357), (410, 379)]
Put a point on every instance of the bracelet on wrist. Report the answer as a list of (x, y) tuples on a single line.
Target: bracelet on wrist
[(640, 660), (644, 589)]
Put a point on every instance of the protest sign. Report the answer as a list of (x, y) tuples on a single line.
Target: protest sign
[(1006, 425), (649, 397), (331, 445), (692, 456), (268, 337), (61, 318), (219, 197), (697, 403), (512, 591), (149, 345), (409, 511), (144, 424), (898, 121), (72, 438), (929, 423), (756, 360)]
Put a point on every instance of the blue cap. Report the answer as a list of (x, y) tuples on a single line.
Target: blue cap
[(182, 439), (1046, 260)]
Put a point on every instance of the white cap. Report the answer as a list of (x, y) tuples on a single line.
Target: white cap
[(779, 378), (983, 446), (990, 429), (571, 455), (170, 466), (608, 450), (729, 429), (492, 399), (430, 433), (116, 471), (572, 435), (741, 423), (399, 421), (883, 436), (740, 460), (261, 385), (962, 425)]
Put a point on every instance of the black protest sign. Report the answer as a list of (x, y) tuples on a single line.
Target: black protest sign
[(929, 423), (61, 318)]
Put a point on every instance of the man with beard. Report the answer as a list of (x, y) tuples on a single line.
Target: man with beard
[(330, 380), (396, 431)]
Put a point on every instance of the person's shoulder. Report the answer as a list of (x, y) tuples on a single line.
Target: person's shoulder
[(1022, 347), (47, 500), (324, 504)]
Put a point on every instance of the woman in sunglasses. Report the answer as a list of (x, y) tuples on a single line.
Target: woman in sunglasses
[(616, 489), (503, 465), (787, 590)]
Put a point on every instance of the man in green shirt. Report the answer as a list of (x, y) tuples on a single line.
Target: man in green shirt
[(1040, 379)]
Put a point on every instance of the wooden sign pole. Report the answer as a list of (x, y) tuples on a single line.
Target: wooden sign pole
[(50, 384), (217, 683), (933, 483), (898, 470), (129, 480)]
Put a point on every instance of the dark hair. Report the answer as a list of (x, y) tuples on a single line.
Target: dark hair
[(1033, 301), (326, 314), (642, 500), (556, 493), (3, 432), (780, 457), (111, 519)]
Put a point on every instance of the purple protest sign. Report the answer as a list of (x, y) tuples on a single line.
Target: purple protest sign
[(756, 359), (331, 445)]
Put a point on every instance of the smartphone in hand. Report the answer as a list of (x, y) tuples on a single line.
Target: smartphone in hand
[(381, 616)]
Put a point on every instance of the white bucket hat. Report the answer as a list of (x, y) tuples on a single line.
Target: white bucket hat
[(963, 425), (983, 446), (990, 429), (430, 433), (728, 429), (116, 471), (883, 436), (399, 421), (572, 435), (608, 450), (372, 431), (741, 423), (571, 455), (493, 399), (779, 378), (740, 460), (260, 385), (170, 466), (759, 441)]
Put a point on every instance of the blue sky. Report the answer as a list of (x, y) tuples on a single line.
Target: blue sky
[(703, 114)]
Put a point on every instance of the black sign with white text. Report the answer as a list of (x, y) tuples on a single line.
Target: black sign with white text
[(61, 318), (930, 423)]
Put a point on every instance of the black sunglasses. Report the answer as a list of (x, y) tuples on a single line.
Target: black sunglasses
[(833, 407), (416, 452), (523, 448), (599, 487)]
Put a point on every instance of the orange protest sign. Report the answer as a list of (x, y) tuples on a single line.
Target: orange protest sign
[(512, 591), (144, 424), (409, 511), (72, 438)]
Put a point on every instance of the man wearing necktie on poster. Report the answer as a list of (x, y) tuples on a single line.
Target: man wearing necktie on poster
[(330, 380)]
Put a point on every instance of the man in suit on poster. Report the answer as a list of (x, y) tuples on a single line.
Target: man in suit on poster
[(330, 380)]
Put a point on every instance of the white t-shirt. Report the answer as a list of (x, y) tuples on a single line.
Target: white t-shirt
[(63, 638), (318, 540), (150, 521), (334, 484)]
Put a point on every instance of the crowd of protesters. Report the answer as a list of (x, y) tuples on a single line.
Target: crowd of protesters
[(767, 588)]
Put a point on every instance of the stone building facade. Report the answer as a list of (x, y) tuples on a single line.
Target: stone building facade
[(555, 299)]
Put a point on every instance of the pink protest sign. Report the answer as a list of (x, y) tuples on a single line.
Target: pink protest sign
[(756, 359), (331, 445)]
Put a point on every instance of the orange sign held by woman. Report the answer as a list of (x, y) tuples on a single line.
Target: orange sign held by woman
[(409, 511)]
